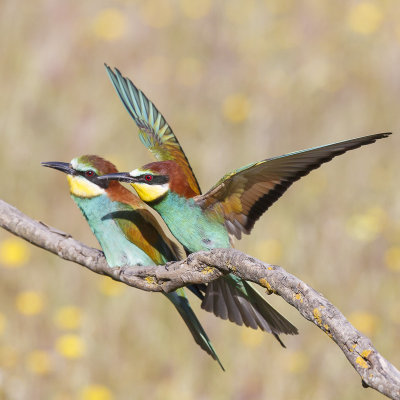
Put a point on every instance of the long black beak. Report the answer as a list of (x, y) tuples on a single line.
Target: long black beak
[(120, 176), (60, 166)]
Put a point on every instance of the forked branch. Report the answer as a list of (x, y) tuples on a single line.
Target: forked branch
[(375, 371)]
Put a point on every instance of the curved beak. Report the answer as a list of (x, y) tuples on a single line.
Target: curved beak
[(60, 166), (120, 176)]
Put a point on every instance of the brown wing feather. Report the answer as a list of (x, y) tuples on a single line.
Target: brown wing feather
[(243, 196)]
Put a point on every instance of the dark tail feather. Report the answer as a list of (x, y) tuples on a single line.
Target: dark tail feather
[(181, 303), (234, 299)]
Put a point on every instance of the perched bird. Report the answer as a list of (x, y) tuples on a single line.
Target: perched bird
[(229, 297), (126, 230), (232, 206)]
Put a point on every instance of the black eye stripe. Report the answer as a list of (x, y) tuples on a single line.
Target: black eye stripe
[(155, 180), (94, 179)]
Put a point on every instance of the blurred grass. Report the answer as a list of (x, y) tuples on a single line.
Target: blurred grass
[(238, 82)]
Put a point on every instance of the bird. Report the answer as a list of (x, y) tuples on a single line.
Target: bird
[(126, 230), (237, 300), (230, 207)]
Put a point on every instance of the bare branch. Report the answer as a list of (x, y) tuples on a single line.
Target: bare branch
[(375, 371)]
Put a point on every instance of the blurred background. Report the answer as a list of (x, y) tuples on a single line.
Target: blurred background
[(238, 81)]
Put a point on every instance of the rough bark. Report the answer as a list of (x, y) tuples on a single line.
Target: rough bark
[(202, 267)]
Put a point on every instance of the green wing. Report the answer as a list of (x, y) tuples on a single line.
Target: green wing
[(154, 131), (242, 196)]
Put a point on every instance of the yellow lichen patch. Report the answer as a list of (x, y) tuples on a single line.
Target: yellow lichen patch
[(109, 24), (265, 283), (366, 353), (70, 346), (327, 330), (14, 253), (38, 362), (96, 392), (30, 302), (298, 297), (360, 361), (207, 270), (231, 267), (69, 317), (236, 108), (110, 287), (270, 268), (365, 17), (150, 279), (317, 316)]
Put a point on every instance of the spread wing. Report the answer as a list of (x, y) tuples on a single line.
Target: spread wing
[(244, 195), (154, 131)]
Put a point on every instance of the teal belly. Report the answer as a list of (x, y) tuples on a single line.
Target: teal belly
[(118, 250), (187, 222)]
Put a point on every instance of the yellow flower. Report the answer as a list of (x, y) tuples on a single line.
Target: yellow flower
[(3, 322), (269, 250), (109, 24), (69, 317), (251, 337), (158, 67), (392, 258), (70, 346), (367, 226), (14, 253), (365, 322), (110, 287), (38, 362), (8, 357), (30, 302), (239, 12), (157, 13), (236, 108), (365, 18), (297, 362), (195, 9), (96, 392), (189, 71)]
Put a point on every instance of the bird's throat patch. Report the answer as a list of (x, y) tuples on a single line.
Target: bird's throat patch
[(149, 193), (81, 187)]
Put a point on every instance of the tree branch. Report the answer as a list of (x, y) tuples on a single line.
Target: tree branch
[(375, 371)]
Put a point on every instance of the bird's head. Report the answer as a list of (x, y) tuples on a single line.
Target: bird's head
[(154, 180), (83, 174)]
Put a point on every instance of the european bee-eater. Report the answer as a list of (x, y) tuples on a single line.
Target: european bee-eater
[(232, 206), (126, 230), (226, 298)]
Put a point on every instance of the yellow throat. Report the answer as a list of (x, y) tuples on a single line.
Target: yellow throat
[(150, 193), (81, 187)]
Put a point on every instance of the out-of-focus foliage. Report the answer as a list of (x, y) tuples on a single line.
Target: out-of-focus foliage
[(238, 81)]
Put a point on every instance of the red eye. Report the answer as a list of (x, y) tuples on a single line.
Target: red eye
[(89, 173), (148, 178)]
